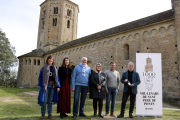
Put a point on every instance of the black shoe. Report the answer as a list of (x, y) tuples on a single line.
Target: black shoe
[(95, 112), (74, 116), (62, 115), (94, 115), (82, 114), (65, 115), (130, 115), (100, 115), (120, 116)]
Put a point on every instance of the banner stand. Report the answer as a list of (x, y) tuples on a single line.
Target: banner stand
[(149, 96)]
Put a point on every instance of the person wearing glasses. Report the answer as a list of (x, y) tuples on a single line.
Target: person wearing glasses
[(97, 88), (80, 83)]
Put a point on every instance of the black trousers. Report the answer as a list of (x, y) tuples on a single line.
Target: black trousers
[(95, 101), (124, 100)]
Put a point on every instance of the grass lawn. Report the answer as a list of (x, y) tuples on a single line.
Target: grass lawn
[(15, 105)]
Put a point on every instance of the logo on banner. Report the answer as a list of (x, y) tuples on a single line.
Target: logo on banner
[(149, 75)]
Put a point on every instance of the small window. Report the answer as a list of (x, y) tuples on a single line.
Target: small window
[(54, 21), (44, 13), (55, 10), (34, 62), (43, 23), (29, 62), (26, 62), (126, 52), (22, 61), (68, 12), (68, 24), (38, 62)]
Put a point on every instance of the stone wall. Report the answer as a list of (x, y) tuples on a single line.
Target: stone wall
[(122, 48), (59, 33), (29, 69)]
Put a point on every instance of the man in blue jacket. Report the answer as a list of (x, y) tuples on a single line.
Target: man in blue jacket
[(131, 80), (80, 83)]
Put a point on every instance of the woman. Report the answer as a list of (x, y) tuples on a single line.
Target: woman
[(49, 86), (64, 103), (97, 89)]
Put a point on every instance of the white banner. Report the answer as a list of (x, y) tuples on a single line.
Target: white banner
[(149, 97)]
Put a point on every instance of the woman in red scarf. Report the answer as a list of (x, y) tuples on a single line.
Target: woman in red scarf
[(64, 103), (97, 89)]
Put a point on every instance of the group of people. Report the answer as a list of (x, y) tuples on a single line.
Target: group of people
[(55, 87)]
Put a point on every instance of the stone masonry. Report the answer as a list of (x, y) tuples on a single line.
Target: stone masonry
[(159, 33)]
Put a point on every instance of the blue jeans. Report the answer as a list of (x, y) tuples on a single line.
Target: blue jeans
[(48, 99), (112, 92), (83, 90)]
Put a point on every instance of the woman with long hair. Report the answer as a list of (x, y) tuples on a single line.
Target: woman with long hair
[(64, 103), (97, 89), (49, 86)]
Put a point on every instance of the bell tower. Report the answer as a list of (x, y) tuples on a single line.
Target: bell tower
[(57, 23)]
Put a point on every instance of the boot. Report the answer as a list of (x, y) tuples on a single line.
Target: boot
[(95, 112), (100, 114), (100, 108), (65, 115), (50, 117), (62, 115), (42, 117), (121, 115), (113, 115), (130, 115)]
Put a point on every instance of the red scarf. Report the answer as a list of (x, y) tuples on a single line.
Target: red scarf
[(98, 71)]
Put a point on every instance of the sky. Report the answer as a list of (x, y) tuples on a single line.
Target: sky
[(19, 19)]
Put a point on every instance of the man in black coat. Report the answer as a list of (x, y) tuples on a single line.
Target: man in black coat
[(131, 80)]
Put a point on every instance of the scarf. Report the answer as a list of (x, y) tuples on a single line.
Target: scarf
[(98, 71), (83, 69), (45, 78)]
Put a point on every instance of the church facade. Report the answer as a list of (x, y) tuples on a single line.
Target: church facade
[(57, 36)]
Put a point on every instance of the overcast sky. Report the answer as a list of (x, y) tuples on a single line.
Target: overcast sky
[(19, 19)]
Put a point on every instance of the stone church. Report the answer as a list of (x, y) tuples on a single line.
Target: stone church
[(57, 36)]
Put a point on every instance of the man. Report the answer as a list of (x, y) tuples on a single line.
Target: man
[(112, 87), (131, 80), (80, 80)]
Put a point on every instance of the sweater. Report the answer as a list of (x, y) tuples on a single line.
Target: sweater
[(78, 78), (113, 79)]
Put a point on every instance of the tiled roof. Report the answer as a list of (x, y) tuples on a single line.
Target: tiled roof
[(121, 28)]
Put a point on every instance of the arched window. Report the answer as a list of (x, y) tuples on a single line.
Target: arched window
[(68, 12), (89, 63), (68, 24), (29, 61), (54, 21), (55, 10), (43, 23), (126, 52), (38, 62), (34, 62), (44, 13), (72, 67), (26, 62)]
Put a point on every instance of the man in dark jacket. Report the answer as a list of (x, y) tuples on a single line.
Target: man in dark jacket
[(131, 80)]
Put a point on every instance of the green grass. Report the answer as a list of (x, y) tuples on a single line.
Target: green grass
[(15, 105)]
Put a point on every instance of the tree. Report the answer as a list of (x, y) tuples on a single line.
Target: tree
[(8, 59)]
